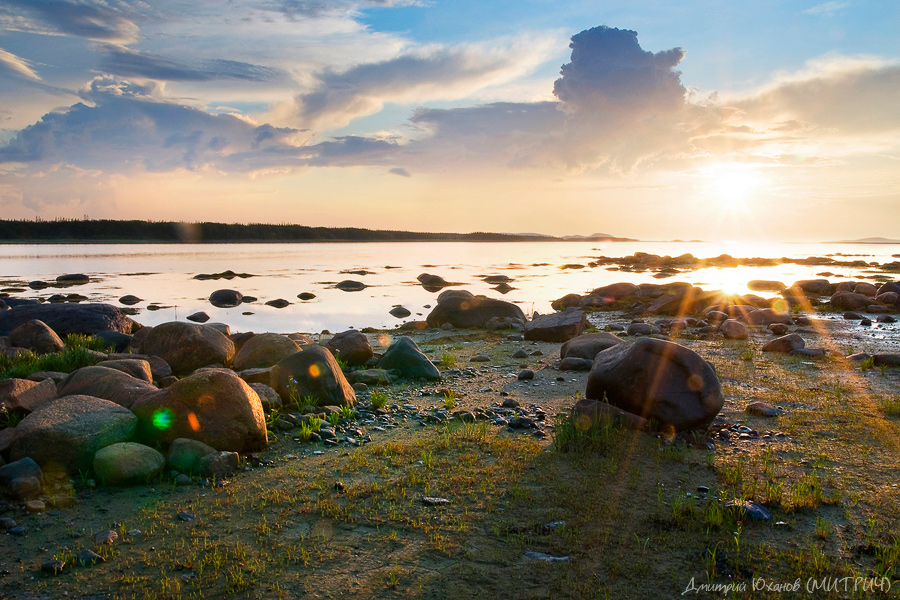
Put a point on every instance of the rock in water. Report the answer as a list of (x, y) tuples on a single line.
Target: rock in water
[(214, 406), (657, 380), (226, 298)]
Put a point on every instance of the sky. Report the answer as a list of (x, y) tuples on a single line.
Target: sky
[(757, 120)]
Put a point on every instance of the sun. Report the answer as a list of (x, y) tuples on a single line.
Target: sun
[(733, 187)]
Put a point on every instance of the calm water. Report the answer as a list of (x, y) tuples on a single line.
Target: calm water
[(162, 274)]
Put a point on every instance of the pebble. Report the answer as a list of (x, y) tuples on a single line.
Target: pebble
[(53, 566), (106, 537), (35, 506), (520, 354), (432, 501), (182, 479), (186, 516), (87, 558), (525, 375), (541, 557)]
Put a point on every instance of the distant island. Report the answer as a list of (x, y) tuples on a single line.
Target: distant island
[(868, 240), (135, 231)]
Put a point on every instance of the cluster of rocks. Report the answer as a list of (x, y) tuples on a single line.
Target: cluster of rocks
[(196, 392)]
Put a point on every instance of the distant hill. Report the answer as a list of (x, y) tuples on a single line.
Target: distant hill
[(110, 231), (868, 240)]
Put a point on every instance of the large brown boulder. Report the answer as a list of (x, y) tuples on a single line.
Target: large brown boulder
[(68, 431), (657, 380), (158, 367), (352, 347), (103, 382), (589, 345), (188, 346), (264, 350), (556, 327), (25, 396), (214, 406), (136, 367), (462, 309), (312, 373), (65, 318), (36, 336), (683, 302), (850, 301)]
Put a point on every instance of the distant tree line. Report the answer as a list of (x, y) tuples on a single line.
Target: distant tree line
[(107, 230)]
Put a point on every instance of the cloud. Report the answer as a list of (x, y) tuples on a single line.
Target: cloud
[(400, 171), (125, 62), (826, 9), (132, 127), (296, 9), (91, 20), (14, 66), (430, 74)]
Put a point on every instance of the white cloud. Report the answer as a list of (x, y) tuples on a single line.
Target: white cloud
[(14, 66), (826, 9)]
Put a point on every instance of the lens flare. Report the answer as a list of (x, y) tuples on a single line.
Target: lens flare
[(193, 421), (314, 370), (162, 419)]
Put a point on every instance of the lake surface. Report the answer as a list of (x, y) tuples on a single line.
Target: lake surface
[(163, 275)]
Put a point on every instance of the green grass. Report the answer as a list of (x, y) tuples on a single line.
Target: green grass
[(378, 398), (75, 356)]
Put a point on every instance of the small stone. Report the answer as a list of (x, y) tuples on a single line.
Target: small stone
[(18, 530), (751, 509), (53, 566), (6, 523), (480, 358), (525, 375), (510, 403), (762, 409), (541, 557), (182, 479), (186, 516), (520, 354), (702, 489), (521, 423), (87, 558), (106, 537), (35, 506), (431, 501)]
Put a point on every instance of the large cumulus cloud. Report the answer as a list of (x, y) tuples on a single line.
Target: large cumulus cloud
[(134, 127)]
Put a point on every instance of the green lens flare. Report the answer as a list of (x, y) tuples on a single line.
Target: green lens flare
[(162, 419)]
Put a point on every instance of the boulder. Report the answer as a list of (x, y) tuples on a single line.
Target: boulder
[(466, 310), (657, 380), (198, 317), (556, 327), (566, 301), (226, 298), (278, 303), (188, 346), (68, 431), (103, 382), (816, 287), (127, 463), (136, 367), (214, 406), (887, 298), (573, 363), (312, 372), (24, 467), (761, 285), (348, 285), (130, 300), (785, 344), (64, 319), (159, 369), (185, 454), (639, 329), (267, 396), (264, 350), (72, 279), (588, 345), (889, 287), (734, 330), (351, 346), (118, 342), (399, 312), (371, 377), (219, 465), (850, 301), (433, 283), (616, 291), (602, 413), (683, 302), (405, 357), (24, 395), (36, 336), (767, 316), (866, 289)]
